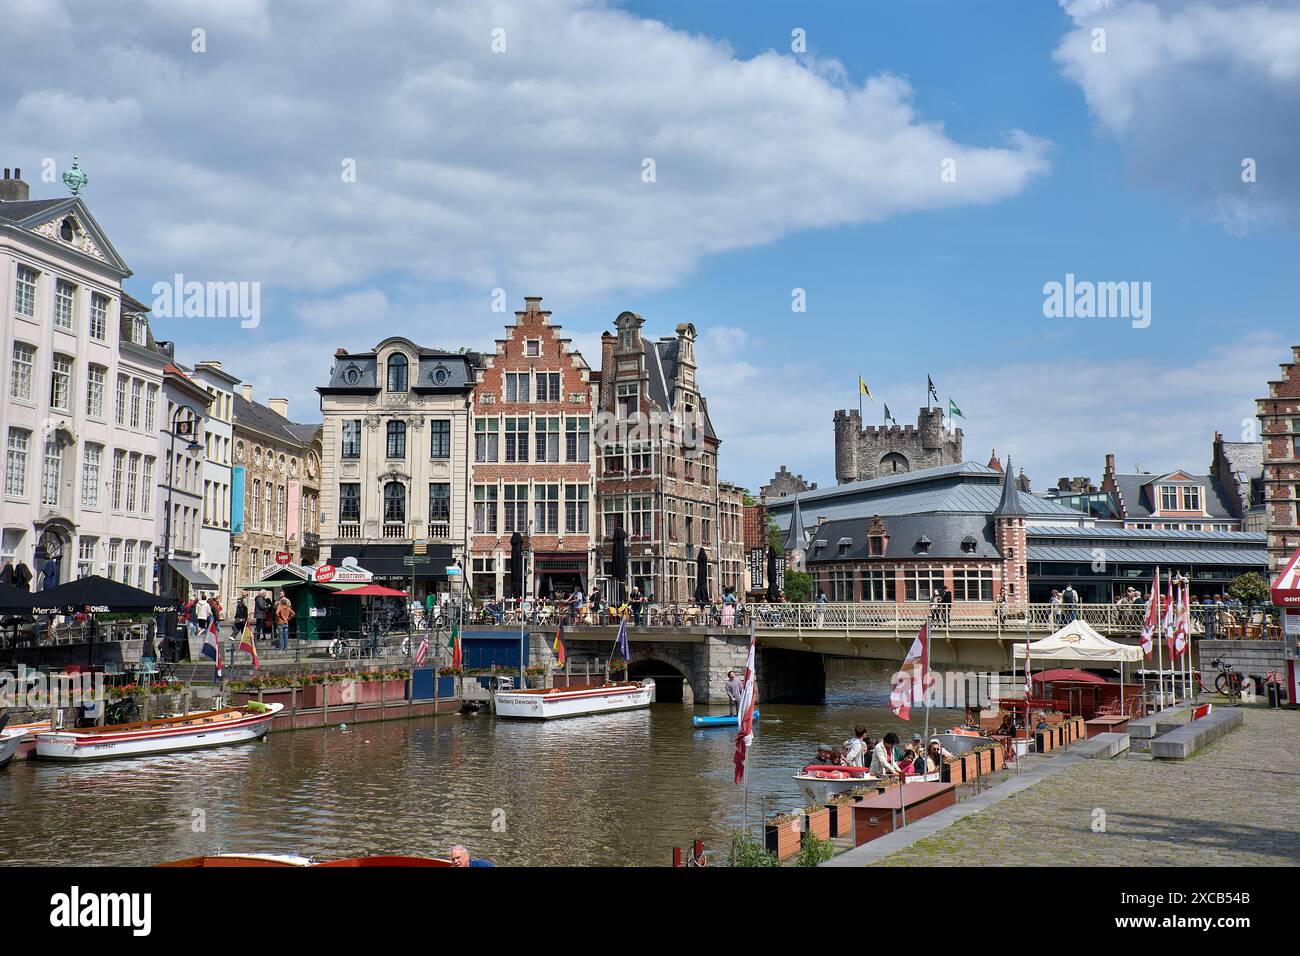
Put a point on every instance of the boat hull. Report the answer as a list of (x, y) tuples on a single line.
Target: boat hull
[(820, 790), (77, 747), (10, 740), (719, 720), (578, 702), (958, 744)]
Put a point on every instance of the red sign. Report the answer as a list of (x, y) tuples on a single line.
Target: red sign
[(283, 557), (325, 573)]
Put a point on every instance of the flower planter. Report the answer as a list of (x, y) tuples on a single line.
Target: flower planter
[(380, 691), (782, 839), (999, 758), (971, 767), (953, 772), (1043, 740), (818, 823), (986, 762), (841, 818)]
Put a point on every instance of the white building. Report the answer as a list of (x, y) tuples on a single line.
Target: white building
[(180, 438), (218, 444), (81, 389)]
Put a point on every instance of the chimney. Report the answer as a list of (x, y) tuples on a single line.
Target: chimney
[(340, 353), (247, 389), (532, 303), (279, 405), (210, 363), (13, 189)]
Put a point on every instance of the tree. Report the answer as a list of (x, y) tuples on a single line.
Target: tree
[(1249, 588), (798, 586), (775, 537)]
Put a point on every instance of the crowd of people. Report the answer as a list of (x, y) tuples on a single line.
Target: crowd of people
[(269, 618), (890, 757)]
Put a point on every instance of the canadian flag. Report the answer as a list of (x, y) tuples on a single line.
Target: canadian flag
[(1182, 620), (1152, 622), (914, 677)]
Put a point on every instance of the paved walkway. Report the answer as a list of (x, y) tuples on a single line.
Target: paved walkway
[(1232, 804)]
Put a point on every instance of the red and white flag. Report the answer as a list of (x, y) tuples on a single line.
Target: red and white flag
[(1152, 621), (1170, 613), (914, 677), (422, 651), (746, 712), (1182, 619)]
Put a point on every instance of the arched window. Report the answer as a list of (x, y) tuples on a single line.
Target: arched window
[(394, 503), (894, 463), (397, 372)]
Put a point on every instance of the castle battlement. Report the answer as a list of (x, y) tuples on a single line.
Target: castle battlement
[(874, 451)]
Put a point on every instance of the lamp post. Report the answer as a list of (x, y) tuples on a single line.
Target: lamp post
[(177, 427)]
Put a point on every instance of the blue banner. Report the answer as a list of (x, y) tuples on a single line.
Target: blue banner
[(237, 500)]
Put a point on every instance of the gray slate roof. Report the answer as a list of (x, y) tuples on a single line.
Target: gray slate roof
[(458, 366), (21, 211), (661, 366), (259, 417), (1131, 489), (1252, 538), (946, 534), (1175, 557)]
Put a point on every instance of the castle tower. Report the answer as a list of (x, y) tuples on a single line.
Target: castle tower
[(880, 450), (1009, 535), (848, 429)]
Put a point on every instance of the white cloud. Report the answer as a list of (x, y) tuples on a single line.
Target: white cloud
[(1192, 90)]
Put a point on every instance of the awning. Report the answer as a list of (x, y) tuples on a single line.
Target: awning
[(1077, 641), (189, 572), (1285, 588)]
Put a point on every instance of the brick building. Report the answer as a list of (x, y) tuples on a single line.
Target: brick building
[(1238, 467), (1279, 419), (1175, 501), (880, 450), (532, 463), (732, 561), (785, 483), (657, 474)]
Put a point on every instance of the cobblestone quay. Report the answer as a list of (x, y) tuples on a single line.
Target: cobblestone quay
[(1232, 804)]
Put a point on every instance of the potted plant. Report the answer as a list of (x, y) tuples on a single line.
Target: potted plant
[(781, 835), (537, 674), (814, 851), (817, 821)]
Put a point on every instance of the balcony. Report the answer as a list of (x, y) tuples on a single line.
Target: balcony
[(439, 529), (349, 529), (395, 529)]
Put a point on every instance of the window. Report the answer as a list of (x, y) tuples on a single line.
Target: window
[(548, 387), (61, 383), (516, 440), (1168, 498), (255, 517), (95, 391), (114, 547), (280, 511), (485, 439), (577, 442), (919, 584), (532, 347), (969, 584), (350, 502), (1192, 499), (841, 586), (439, 438), (119, 475), (51, 473), (613, 460), (485, 509), (99, 316), (546, 509), (128, 559), (394, 503), (877, 585), (397, 369), (144, 572), (90, 464), (612, 510), (16, 462), (642, 460), (396, 439), (146, 486), (121, 399), (132, 480), (642, 507), (25, 292), (150, 407), (137, 404), (628, 399), (86, 557), (516, 386), (706, 525), (548, 439), (439, 501), (516, 508), (576, 498), (20, 377), (65, 304), (350, 446)]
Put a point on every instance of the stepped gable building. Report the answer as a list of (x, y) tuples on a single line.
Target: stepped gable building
[(879, 450), (533, 470), (1279, 419), (657, 474), (395, 460), (1176, 501), (1238, 466), (784, 483)]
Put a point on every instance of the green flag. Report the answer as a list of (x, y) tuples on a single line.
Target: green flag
[(455, 633), (953, 410)]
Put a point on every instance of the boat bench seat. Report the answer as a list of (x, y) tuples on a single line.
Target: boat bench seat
[(1181, 743)]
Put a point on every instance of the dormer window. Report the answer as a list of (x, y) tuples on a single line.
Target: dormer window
[(397, 371), (968, 544), (351, 375), (844, 544), (1192, 498), (1168, 498), (923, 545)]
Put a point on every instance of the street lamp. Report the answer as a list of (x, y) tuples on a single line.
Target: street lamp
[(177, 427)]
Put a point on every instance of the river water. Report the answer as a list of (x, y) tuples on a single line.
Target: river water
[(609, 790)]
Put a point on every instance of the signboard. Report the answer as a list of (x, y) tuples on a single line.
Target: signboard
[(452, 569), (325, 573), (1285, 588), (757, 567), (282, 558), (1291, 622), (411, 560), (349, 572)]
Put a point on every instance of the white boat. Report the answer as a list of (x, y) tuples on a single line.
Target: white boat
[(210, 728), (962, 740), (575, 701), (821, 782), (9, 741)]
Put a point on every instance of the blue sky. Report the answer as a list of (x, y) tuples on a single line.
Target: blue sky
[(520, 169)]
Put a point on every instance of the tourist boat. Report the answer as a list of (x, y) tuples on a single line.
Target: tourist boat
[(820, 782), (9, 741), (575, 701), (962, 740), (223, 860), (719, 720), (209, 728), (27, 742)]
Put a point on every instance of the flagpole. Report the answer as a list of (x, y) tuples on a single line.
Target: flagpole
[(925, 741), (1160, 666)]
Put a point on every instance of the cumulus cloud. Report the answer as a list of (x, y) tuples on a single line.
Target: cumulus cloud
[(1193, 91)]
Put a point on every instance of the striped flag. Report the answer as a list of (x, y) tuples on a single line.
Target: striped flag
[(558, 645), (423, 649), (212, 645), (246, 643), (1168, 622), (454, 643), (1029, 675), (1152, 621), (910, 682), (745, 716)]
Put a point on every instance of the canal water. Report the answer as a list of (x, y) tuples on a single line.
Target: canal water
[(610, 790)]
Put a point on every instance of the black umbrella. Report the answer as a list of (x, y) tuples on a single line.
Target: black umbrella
[(620, 561), (702, 577), (773, 592), (15, 600), (98, 595), (517, 566)]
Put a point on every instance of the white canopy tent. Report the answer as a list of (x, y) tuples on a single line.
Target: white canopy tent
[(1077, 641)]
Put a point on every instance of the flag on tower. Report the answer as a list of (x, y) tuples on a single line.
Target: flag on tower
[(862, 388), (888, 417), (953, 410), (934, 393)]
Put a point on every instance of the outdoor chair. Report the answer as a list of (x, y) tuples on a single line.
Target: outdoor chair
[(148, 668)]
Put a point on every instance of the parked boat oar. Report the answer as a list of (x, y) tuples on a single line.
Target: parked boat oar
[(719, 720)]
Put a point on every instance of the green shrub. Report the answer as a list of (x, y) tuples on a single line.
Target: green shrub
[(748, 851), (814, 851)]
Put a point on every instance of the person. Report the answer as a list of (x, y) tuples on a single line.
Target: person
[(935, 755), (637, 600), (240, 619), (947, 604), (218, 610), (883, 763), (575, 605), (1056, 608), (729, 608), (261, 612), (935, 599), (202, 613), (1001, 609), (907, 762), (460, 857), (283, 615), (733, 693), (821, 607), (855, 751), (1070, 598)]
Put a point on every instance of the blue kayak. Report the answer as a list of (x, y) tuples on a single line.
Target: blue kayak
[(727, 720)]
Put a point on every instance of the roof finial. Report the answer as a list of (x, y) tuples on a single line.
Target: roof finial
[(75, 178)]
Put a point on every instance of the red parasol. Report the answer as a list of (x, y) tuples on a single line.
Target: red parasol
[(373, 590), (1068, 674)]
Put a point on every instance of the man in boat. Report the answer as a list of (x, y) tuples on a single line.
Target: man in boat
[(733, 693), (855, 753), (883, 763), (460, 857)]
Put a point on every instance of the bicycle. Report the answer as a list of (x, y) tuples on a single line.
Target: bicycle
[(1227, 682)]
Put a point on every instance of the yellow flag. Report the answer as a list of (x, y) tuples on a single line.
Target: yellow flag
[(862, 387)]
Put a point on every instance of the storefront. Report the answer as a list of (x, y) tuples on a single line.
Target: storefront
[(321, 612), (390, 566), (556, 575)]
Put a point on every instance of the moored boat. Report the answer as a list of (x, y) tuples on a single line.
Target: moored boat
[(9, 741), (575, 701), (820, 782), (962, 740), (225, 860), (211, 728), (719, 720)]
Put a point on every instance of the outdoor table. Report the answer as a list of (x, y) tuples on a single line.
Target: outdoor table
[(874, 816), (1112, 723)]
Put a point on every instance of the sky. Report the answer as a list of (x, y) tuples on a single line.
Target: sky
[(827, 190)]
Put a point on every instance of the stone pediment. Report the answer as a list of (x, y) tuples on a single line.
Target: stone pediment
[(68, 229)]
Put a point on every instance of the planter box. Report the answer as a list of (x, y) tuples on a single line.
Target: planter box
[(971, 769), (986, 762), (818, 823), (380, 691), (1043, 740), (953, 772), (841, 818), (782, 840), (999, 758)]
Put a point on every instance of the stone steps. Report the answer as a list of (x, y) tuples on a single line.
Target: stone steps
[(1103, 746), (1181, 743)]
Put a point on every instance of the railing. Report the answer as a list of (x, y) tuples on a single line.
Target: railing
[(395, 529), (349, 529), (439, 529)]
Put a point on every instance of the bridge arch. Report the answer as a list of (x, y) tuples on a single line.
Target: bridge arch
[(672, 675)]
